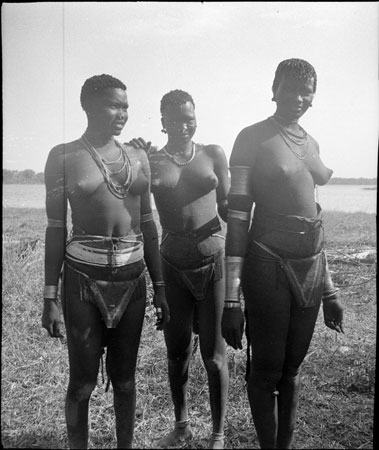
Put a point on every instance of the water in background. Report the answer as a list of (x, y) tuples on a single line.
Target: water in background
[(334, 197)]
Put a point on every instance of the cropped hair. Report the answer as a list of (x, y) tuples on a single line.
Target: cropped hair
[(176, 97), (297, 68), (96, 85)]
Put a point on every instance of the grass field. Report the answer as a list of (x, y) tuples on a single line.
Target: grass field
[(337, 397)]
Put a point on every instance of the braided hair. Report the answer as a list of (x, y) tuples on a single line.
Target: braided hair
[(95, 86), (176, 97), (297, 68)]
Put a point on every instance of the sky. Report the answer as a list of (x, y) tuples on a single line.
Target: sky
[(223, 53)]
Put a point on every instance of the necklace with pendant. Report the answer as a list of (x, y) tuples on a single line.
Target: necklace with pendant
[(119, 190), (179, 163), (297, 144)]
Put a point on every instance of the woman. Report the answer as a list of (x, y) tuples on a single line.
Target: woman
[(275, 166), (188, 180), (103, 286)]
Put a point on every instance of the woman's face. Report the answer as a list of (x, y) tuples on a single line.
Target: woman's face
[(293, 96), (180, 122), (108, 113)]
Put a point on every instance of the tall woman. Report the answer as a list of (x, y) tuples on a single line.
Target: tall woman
[(275, 165), (189, 184), (103, 289)]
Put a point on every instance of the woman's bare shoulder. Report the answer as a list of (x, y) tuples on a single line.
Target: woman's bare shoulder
[(215, 151), (68, 148)]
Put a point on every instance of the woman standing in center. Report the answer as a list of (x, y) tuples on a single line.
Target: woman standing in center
[(188, 180)]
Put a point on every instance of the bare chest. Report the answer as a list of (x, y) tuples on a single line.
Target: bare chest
[(169, 178), (84, 177)]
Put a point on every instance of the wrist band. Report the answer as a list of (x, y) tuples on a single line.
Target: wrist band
[(147, 217), (159, 283), (230, 305), (330, 294), (241, 215), (50, 292)]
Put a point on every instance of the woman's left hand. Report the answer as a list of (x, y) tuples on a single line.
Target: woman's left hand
[(333, 314), (140, 143), (162, 310)]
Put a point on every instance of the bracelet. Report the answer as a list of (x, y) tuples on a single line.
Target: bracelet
[(159, 283), (230, 305), (50, 292), (330, 294)]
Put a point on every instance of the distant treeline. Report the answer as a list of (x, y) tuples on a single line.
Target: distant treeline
[(370, 181), (28, 176)]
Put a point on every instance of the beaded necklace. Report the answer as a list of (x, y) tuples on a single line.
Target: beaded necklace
[(291, 138), (119, 190), (179, 163)]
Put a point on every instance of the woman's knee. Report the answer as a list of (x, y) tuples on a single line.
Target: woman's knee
[(179, 357), (215, 363), (264, 379), (81, 390), (125, 386)]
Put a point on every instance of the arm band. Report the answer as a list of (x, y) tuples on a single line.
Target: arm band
[(233, 265), (241, 215), (240, 178), (147, 217), (50, 292), (54, 223)]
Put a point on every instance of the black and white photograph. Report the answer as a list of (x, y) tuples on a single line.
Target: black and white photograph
[(189, 225)]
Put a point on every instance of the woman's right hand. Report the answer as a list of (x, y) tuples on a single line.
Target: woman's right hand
[(232, 326), (51, 318)]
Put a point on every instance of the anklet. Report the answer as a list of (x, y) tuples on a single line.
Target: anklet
[(217, 436), (182, 423)]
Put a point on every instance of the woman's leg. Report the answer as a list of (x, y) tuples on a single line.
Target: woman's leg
[(268, 302), (178, 337), (213, 352), (123, 343), (301, 329), (84, 330)]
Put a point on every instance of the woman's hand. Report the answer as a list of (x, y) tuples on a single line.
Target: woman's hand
[(333, 314), (140, 143), (232, 325), (51, 318), (161, 309)]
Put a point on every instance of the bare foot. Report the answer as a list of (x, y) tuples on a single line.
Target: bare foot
[(176, 437)]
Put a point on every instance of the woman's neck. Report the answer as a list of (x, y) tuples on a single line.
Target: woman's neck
[(182, 148), (285, 121), (98, 139)]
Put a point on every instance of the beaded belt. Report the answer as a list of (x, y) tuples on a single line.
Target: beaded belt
[(116, 257)]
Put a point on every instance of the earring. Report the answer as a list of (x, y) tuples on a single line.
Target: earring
[(164, 130), (273, 99)]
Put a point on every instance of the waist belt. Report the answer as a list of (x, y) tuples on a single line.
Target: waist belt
[(212, 227), (79, 252)]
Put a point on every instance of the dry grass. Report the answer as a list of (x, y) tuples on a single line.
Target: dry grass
[(336, 404)]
